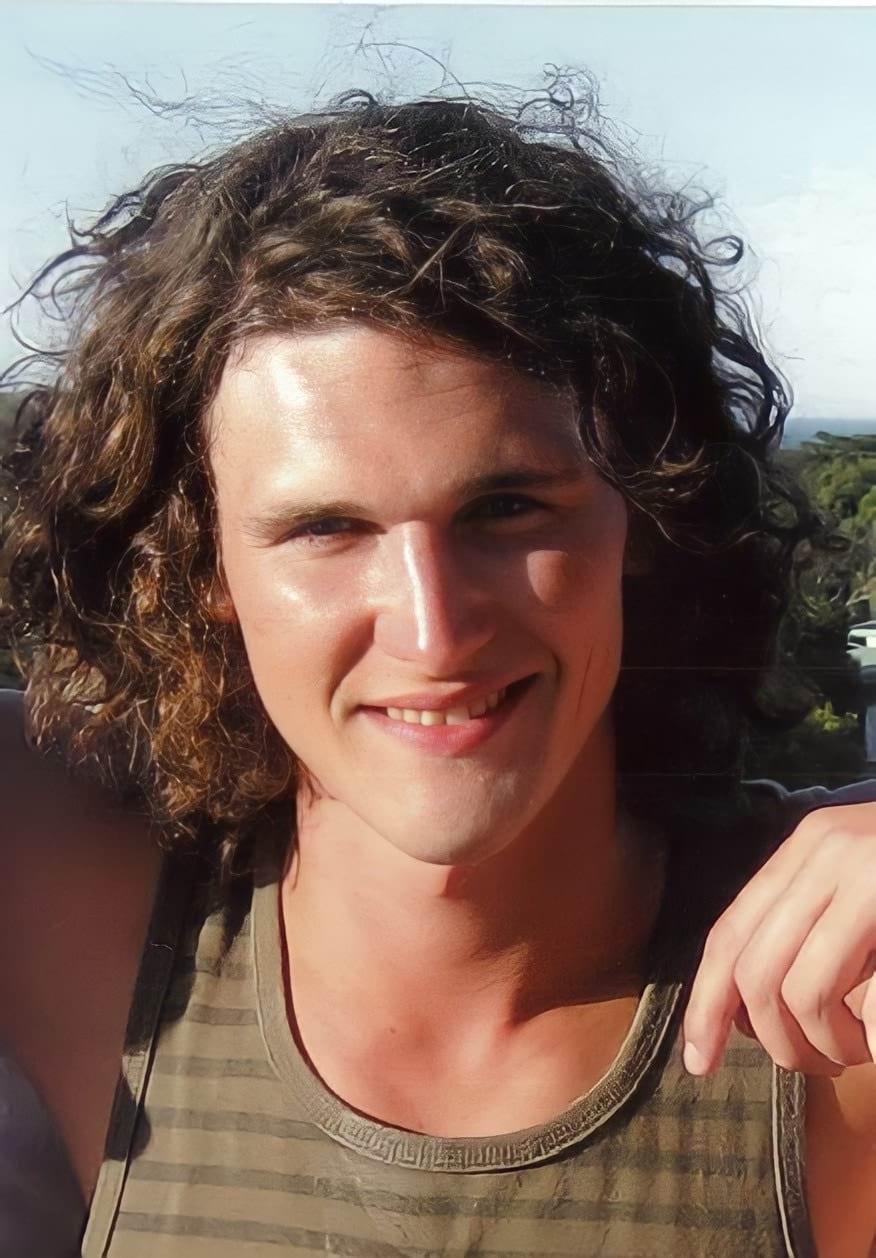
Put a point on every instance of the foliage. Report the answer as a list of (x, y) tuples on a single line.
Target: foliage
[(825, 748), (834, 585), (840, 474)]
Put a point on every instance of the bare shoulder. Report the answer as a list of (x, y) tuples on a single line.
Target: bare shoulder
[(56, 829), (841, 1161), (78, 886)]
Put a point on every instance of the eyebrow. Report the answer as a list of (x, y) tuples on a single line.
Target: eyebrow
[(264, 526)]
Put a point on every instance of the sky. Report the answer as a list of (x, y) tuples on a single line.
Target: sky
[(771, 109)]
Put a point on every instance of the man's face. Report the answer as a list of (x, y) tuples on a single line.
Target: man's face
[(456, 542)]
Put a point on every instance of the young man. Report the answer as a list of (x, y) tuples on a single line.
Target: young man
[(374, 549)]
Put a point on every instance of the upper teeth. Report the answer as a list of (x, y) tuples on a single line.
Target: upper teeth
[(451, 716)]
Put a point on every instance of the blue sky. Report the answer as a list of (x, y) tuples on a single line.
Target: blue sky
[(772, 108)]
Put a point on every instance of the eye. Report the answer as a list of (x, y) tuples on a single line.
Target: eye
[(507, 507), (320, 532)]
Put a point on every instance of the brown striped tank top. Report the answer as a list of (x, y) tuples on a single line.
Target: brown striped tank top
[(223, 1143)]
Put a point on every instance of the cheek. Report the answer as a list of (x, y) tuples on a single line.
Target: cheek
[(581, 584), (558, 579), (580, 601), (578, 590), (582, 575), (296, 630), (273, 596)]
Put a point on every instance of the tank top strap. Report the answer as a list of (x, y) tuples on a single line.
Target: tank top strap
[(173, 894), (788, 1132)]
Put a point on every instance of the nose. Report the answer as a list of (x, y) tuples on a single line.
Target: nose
[(434, 610)]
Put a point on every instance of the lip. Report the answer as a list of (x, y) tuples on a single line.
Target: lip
[(454, 740)]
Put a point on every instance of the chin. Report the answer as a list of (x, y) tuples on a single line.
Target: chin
[(453, 827), (447, 845)]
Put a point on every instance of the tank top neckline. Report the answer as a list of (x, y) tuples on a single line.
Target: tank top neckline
[(647, 1035)]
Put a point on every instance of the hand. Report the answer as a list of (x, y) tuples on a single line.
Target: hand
[(792, 960)]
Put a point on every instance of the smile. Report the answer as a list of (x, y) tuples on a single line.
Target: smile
[(455, 731), (453, 716)]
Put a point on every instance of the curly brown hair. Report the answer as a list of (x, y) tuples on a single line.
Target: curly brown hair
[(545, 249)]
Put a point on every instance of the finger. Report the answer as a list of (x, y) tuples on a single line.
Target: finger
[(821, 938), (761, 972), (709, 1016), (831, 961), (714, 998)]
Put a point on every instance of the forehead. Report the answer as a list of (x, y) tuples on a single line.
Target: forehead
[(356, 399)]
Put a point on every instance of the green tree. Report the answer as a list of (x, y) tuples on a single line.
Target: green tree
[(834, 585)]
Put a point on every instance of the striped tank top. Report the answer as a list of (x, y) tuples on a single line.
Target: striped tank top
[(224, 1143)]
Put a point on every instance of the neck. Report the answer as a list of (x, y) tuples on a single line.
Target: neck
[(468, 953)]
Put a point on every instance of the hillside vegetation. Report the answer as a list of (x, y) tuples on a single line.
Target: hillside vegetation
[(837, 587)]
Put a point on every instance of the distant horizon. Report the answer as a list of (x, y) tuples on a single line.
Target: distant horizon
[(801, 428)]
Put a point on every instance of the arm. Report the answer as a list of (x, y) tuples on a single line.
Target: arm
[(74, 906), (792, 962), (841, 1162)]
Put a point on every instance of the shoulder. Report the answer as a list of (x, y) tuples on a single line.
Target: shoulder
[(75, 900), (841, 1160), (804, 800), (56, 828), (783, 810)]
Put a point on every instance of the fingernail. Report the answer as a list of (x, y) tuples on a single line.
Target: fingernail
[(694, 1061)]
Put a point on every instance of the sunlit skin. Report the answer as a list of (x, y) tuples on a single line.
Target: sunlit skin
[(469, 915)]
